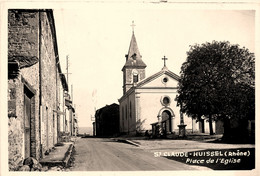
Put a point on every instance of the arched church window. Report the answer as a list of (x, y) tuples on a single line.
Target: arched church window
[(135, 76)]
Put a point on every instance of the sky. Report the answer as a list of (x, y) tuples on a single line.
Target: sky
[(96, 38)]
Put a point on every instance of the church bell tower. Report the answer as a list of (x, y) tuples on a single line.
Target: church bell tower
[(134, 68)]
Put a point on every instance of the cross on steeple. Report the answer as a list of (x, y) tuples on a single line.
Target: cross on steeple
[(132, 25), (164, 58)]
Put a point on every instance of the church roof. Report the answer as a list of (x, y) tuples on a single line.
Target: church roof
[(134, 58), (156, 75)]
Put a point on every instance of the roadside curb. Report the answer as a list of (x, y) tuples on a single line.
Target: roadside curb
[(126, 141), (133, 143), (67, 156)]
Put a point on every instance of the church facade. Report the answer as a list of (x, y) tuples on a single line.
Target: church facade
[(148, 103)]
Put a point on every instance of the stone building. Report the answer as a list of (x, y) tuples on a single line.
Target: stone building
[(71, 126), (71, 120), (107, 121), (35, 85), (148, 103), (61, 115)]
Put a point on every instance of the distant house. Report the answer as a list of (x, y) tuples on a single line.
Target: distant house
[(107, 121), (36, 85)]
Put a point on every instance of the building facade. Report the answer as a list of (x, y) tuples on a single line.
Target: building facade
[(35, 85)]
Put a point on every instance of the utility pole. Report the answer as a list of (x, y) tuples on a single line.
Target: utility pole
[(67, 72), (72, 93), (72, 114), (67, 68)]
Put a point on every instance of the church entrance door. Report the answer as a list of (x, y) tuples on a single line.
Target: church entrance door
[(166, 122)]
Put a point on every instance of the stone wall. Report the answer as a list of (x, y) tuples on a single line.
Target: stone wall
[(23, 36), (16, 121), (23, 48), (15, 126), (48, 81)]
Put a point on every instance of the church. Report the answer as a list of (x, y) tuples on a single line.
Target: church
[(148, 103)]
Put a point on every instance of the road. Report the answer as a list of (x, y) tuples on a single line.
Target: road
[(104, 154)]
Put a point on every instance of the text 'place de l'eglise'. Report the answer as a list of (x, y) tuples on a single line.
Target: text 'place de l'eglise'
[(42, 117)]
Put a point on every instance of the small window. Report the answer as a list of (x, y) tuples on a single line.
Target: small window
[(166, 101), (134, 56), (135, 78), (165, 80)]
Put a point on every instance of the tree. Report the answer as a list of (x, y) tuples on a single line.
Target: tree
[(215, 78)]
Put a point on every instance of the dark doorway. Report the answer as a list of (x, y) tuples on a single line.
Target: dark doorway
[(202, 125), (47, 128), (53, 128), (27, 122), (166, 121)]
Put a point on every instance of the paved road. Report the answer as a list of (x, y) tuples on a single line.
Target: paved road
[(103, 154)]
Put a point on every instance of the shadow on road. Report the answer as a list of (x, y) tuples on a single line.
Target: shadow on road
[(222, 159)]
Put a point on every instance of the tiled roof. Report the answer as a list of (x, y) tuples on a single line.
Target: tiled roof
[(24, 61)]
